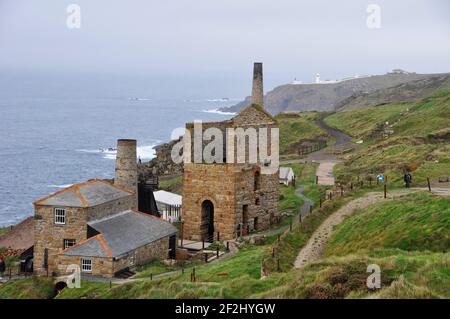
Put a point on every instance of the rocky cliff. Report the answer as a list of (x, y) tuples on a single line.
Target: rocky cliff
[(373, 90)]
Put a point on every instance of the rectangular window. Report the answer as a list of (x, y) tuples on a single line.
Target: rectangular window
[(86, 265), (69, 243), (60, 216)]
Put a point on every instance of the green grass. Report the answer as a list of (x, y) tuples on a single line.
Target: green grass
[(292, 241), (413, 145), (172, 184), (295, 128), (4, 230), (30, 288), (418, 221), (403, 275), (234, 277), (156, 267), (360, 122)]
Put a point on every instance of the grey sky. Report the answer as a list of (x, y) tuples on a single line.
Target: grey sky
[(205, 38)]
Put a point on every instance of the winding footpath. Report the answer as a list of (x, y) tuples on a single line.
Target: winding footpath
[(315, 246)]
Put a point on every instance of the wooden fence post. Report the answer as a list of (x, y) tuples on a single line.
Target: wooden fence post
[(273, 252), (218, 236), (317, 180), (385, 190), (228, 245), (206, 257), (320, 202), (310, 208), (429, 185), (203, 244), (217, 252), (182, 233)]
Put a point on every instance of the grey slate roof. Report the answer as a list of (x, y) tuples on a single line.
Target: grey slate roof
[(122, 233), (90, 248), (90, 193)]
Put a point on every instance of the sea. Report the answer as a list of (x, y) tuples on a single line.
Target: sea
[(57, 129)]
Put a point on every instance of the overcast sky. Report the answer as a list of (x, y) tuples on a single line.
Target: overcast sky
[(210, 38)]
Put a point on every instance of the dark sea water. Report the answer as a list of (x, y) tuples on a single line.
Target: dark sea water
[(52, 128)]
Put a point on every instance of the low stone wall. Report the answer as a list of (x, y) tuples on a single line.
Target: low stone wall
[(101, 266), (143, 255)]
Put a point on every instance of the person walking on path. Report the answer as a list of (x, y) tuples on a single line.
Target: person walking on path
[(2, 267), (408, 179)]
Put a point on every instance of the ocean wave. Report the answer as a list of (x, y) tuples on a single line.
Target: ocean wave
[(217, 111), (138, 99), (224, 99), (145, 152), (59, 186)]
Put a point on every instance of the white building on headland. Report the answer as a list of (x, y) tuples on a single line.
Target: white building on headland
[(319, 81)]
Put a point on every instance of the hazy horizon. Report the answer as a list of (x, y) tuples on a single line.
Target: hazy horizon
[(215, 43)]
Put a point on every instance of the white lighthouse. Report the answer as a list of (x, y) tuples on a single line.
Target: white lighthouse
[(317, 78)]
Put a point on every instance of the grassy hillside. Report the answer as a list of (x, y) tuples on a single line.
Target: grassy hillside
[(419, 221), (419, 143), (296, 128), (404, 275)]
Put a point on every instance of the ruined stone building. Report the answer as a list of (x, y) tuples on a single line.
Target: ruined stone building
[(96, 225), (226, 198)]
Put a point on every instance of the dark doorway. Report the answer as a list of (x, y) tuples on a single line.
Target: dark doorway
[(245, 214), (172, 247), (208, 220)]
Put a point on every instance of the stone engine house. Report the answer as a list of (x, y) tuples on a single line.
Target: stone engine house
[(229, 198)]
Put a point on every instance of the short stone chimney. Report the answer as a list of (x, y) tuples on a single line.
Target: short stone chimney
[(126, 165), (257, 90)]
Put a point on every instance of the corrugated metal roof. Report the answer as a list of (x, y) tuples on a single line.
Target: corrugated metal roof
[(90, 193), (167, 197)]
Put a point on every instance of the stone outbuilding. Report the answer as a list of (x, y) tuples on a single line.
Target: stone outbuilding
[(96, 225)]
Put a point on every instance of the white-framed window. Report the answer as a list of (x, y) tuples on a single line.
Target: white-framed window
[(60, 216), (69, 243), (86, 264)]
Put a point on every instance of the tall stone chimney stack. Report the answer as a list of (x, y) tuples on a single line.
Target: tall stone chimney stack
[(257, 90), (126, 165)]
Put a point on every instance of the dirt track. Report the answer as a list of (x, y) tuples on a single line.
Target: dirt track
[(313, 250)]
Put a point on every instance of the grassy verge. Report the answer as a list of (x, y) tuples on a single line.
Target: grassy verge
[(287, 249), (419, 142), (418, 221), (173, 185), (4, 230), (30, 288), (403, 275), (297, 127)]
